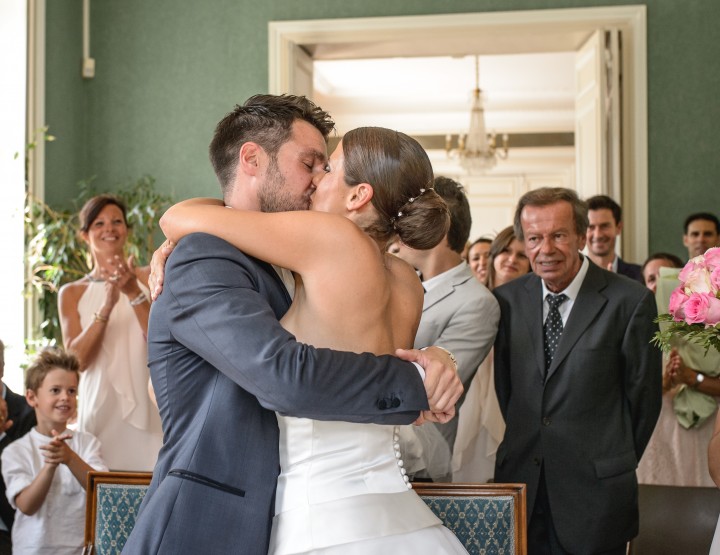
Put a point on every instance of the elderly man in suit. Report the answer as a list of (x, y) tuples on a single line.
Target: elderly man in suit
[(459, 313), (604, 227), (221, 363), (578, 383), (16, 419)]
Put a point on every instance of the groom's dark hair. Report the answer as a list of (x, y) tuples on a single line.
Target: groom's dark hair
[(267, 120)]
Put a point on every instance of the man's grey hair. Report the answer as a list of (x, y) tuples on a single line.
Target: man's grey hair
[(551, 195)]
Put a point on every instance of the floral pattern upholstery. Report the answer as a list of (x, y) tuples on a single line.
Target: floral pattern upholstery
[(117, 508), (484, 525)]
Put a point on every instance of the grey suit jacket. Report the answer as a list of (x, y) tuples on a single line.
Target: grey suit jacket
[(461, 315), (220, 364), (589, 421)]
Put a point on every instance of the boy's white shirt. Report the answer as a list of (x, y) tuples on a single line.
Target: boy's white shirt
[(58, 526)]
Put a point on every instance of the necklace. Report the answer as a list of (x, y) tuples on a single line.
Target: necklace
[(93, 280)]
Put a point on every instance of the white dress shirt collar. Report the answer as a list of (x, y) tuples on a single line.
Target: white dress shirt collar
[(571, 291)]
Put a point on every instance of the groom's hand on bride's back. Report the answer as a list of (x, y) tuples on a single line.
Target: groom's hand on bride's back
[(157, 268), (442, 383)]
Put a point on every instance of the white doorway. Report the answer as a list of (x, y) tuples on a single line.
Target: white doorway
[(13, 56), (530, 96), (294, 44)]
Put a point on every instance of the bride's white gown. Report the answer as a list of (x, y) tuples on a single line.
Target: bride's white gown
[(342, 490)]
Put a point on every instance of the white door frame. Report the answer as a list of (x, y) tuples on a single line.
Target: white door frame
[(21, 104), (286, 36)]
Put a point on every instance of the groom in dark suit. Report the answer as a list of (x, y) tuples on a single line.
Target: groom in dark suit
[(578, 382), (221, 363)]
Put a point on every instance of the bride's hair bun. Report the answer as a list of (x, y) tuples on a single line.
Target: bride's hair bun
[(401, 175), (423, 221)]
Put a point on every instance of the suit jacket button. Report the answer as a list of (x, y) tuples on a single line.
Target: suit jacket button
[(536, 461), (546, 421), (382, 404), (395, 403)]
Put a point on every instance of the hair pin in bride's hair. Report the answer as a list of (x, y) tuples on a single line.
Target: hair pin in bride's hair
[(410, 201)]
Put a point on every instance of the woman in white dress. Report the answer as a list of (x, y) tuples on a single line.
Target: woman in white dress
[(481, 426), (675, 454), (104, 318), (342, 487)]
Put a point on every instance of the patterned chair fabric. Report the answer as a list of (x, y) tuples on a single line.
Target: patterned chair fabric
[(486, 518), (489, 519), (113, 500)]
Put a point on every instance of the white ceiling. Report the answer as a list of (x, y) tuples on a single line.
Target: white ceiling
[(523, 93)]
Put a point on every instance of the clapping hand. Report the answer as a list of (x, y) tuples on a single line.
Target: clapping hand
[(122, 275), (5, 424), (670, 371), (57, 451)]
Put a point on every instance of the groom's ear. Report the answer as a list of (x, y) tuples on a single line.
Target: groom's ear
[(361, 195), (251, 158)]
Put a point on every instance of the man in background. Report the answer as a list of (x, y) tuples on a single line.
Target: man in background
[(459, 313), (605, 226), (700, 232)]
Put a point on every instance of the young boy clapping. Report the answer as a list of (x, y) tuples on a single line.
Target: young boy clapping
[(45, 471)]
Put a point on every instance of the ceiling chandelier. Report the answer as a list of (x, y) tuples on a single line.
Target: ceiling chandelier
[(478, 150)]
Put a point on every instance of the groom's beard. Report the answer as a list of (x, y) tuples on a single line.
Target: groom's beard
[(274, 196)]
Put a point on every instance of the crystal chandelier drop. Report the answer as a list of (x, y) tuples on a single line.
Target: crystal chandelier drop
[(478, 151)]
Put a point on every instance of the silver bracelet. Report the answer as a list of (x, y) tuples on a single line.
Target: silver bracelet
[(140, 299)]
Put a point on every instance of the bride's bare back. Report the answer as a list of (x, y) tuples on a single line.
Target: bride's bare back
[(362, 301)]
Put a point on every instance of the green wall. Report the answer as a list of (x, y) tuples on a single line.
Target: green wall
[(167, 71)]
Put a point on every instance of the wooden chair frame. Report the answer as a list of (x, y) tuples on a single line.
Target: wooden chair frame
[(516, 491), (93, 479)]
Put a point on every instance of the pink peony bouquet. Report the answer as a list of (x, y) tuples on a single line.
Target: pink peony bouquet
[(694, 309)]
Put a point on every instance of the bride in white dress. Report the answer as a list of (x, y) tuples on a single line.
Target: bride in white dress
[(342, 486)]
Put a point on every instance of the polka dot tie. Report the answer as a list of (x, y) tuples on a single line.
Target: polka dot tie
[(552, 330)]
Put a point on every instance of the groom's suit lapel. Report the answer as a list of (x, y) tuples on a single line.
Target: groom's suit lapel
[(275, 277)]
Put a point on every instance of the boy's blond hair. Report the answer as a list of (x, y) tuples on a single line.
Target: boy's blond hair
[(49, 359)]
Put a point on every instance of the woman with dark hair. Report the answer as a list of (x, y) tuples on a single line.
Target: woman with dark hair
[(349, 295), (104, 317), (507, 259), (481, 426), (677, 450)]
